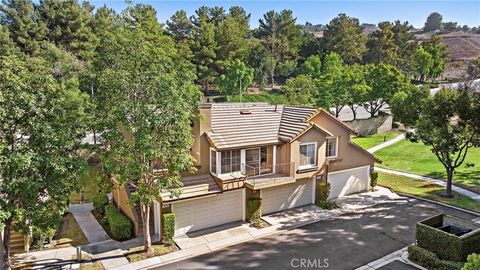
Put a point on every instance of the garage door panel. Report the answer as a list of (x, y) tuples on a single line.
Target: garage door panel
[(287, 196), (207, 212), (349, 181)]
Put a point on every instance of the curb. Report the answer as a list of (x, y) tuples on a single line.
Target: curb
[(437, 203)]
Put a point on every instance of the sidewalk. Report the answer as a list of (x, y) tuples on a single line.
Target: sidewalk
[(398, 257), (387, 143), (87, 222), (439, 182)]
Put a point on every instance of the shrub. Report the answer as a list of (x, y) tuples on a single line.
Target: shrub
[(168, 227), (473, 262), (430, 260), (120, 225), (328, 205), (254, 209), (323, 191), (373, 179), (99, 203)]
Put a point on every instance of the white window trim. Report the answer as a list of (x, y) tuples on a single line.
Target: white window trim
[(336, 148), (301, 167), (219, 163)]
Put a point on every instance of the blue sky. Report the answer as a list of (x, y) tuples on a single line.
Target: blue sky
[(463, 12)]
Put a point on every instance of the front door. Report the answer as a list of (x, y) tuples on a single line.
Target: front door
[(252, 161)]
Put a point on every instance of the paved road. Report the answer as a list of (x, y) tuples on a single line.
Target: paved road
[(347, 242)]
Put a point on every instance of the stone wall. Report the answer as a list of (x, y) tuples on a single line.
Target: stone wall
[(381, 123)]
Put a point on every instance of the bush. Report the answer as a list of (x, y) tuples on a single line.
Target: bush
[(430, 260), (473, 262), (328, 205), (373, 179), (323, 191), (254, 209), (120, 225), (168, 227), (99, 203)]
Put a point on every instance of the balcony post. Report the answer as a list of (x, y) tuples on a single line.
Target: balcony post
[(274, 159)]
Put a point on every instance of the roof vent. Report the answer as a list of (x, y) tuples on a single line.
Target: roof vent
[(245, 112)]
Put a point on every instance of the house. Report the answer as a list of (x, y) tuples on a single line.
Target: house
[(255, 150)]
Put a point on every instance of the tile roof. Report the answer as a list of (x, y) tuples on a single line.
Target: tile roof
[(236, 125)]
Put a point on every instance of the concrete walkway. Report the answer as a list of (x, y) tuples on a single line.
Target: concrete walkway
[(400, 255), (439, 182), (387, 143), (87, 222)]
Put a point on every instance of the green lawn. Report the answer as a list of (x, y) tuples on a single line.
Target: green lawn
[(426, 190), (417, 158), (89, 183), (375, 139)]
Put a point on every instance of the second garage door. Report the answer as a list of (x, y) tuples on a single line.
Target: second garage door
[(349, 181), (288, 196), (207, 212)]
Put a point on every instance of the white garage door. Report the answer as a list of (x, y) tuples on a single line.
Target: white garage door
[(288, 196), (207, 212), (349, 181)]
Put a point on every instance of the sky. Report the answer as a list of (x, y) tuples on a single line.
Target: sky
[(321, 12)]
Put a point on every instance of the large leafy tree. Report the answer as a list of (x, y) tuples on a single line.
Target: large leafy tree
[(24, 23), (448, 123), (438, 50), (422, 63), (236, 80), (406, 44), (382, 81), (179, 27), (312, 66), (42, 123), (258, 58), (343, 35), (300, 91), (357, 87), (149, 97)]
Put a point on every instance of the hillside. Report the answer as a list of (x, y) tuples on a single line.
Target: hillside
[(462, 47)]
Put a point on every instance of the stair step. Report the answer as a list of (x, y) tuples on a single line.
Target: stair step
[(17, 241)]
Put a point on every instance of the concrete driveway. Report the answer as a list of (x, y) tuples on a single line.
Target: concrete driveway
[(346, 242)]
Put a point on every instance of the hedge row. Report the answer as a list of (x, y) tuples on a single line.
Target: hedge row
[(429, 260), (168, 227), (254, 209), (99, 203), (323, 191), (436, 240), (120, 225)]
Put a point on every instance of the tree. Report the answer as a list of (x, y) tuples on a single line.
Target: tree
[(354, 79), (236, 80), (438, 50), (381, 46), (332, 87), (474, 68), (300, 91), (69, 25), (434, 22), (179, 27), (473, 262), (422, 63), (406, 43), (449, 27), (42, 123), (343, 35), (448, 122), (312, 66), (383, 82), (148, 93), (24, 24), (7, 46), (258, 59)]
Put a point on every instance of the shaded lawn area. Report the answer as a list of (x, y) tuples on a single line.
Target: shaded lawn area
[(417, 158), (69, 233), (425, 190), (375, 139), (89, 183)]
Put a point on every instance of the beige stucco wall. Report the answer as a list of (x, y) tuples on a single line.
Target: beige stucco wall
[(312, 135), (121, 200)]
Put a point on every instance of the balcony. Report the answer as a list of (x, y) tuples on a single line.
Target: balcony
[(264, 176)]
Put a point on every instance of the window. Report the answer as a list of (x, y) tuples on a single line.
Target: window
[(213, 162), (230, 161), (332, 147), (308, 155)]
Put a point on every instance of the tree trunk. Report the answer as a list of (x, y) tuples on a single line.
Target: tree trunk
[(354, 111), (272, 80), (6, 243), (337, 111), (448, 192), (147, 241)]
